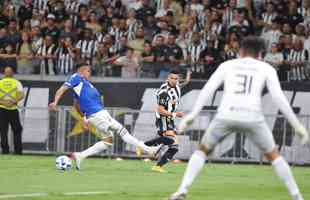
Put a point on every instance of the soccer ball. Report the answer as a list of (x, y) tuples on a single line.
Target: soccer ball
[(63, 163)]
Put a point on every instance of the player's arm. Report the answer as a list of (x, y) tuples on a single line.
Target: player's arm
[(58, 95), (207, 92), (187, 79), (85, 123), (279, 98), (76, 105), (163, 100)]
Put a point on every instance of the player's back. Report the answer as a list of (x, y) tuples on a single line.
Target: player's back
[(244, 81)]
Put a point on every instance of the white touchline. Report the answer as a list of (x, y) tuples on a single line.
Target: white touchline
[(7, 196), (11, 196), (86, 193)]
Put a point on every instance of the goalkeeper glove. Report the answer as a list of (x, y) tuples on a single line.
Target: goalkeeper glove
[(185, 122), (303, 134)]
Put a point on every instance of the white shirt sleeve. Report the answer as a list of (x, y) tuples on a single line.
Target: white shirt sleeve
[(208, 90), (279, 98)]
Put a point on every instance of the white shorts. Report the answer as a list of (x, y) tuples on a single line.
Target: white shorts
[(258, 132), (104, 123)]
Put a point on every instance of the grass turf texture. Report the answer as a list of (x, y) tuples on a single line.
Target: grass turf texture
[(133, 180)]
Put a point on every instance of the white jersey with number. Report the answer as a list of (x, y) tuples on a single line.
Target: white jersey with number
[(244, 80)]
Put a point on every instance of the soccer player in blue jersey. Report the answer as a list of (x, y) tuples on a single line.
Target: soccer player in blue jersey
[(88, 103)]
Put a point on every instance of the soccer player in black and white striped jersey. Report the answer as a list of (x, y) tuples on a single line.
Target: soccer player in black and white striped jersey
[(168, 99)]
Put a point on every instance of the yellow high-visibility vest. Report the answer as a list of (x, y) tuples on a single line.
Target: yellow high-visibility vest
[(8, 91)]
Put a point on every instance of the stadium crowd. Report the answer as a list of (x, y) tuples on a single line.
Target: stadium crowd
[(146, 38)]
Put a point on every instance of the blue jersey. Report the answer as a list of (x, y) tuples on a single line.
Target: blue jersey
[(86, 94)]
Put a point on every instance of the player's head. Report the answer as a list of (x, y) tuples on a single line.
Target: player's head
[(8, 71), (84, 70), (173, 77), (252, 46)]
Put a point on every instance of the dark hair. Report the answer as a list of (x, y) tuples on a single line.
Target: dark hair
[(79, 65), (253, 45), (174, 71)]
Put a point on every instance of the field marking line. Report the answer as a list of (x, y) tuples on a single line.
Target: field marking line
[(86, 193), (40, 194), (7, 196)]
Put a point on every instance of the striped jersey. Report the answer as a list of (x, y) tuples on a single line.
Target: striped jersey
[(169, 97)]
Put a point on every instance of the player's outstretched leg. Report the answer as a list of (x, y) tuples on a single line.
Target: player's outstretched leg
[(134, 141), (194, 166), (153, 142), (284, 172), (96, 148)]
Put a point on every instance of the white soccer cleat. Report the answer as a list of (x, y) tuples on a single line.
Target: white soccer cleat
[(78, 158), (177, 196)]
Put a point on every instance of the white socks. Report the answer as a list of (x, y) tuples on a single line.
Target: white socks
[(96, 148), (133, 141), (194, 166), (283, 171)]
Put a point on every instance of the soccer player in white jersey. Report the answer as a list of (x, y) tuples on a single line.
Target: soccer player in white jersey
[(244, 80), (88, 103)]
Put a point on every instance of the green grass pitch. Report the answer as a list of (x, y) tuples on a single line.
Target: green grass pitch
[(133, 180)]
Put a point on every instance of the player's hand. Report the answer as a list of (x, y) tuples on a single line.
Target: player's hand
[(185, 122), (179, 114), (303, 134), (52, 106), (85, 125)]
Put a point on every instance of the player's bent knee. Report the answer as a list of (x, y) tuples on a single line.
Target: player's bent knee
[(204, 149), (272, 155), (108, 140)]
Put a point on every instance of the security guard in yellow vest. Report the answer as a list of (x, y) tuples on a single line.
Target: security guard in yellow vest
[(11, 92)]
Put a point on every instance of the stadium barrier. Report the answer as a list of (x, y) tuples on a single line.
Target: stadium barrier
[(61, 131)]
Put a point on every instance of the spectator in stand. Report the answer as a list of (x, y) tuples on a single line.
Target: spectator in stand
[(67, 30), (300, 32), (132, 24), (103, 60), (51, 28), (46, 55), (93, 23), (231, 49), (8, 57), (25, 12), (13, 32), (211, 58), (150, 28), (275, 58), (138, 43), (25, 54), (194, 50), (86, 47), (173, 56), (130, 64), (228, 14), (65, 56), (298, 59), (147, 59), (266, 18), (272, 35), (82, 18)]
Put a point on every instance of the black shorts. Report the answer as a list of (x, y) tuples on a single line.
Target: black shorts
[(164, 124)]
